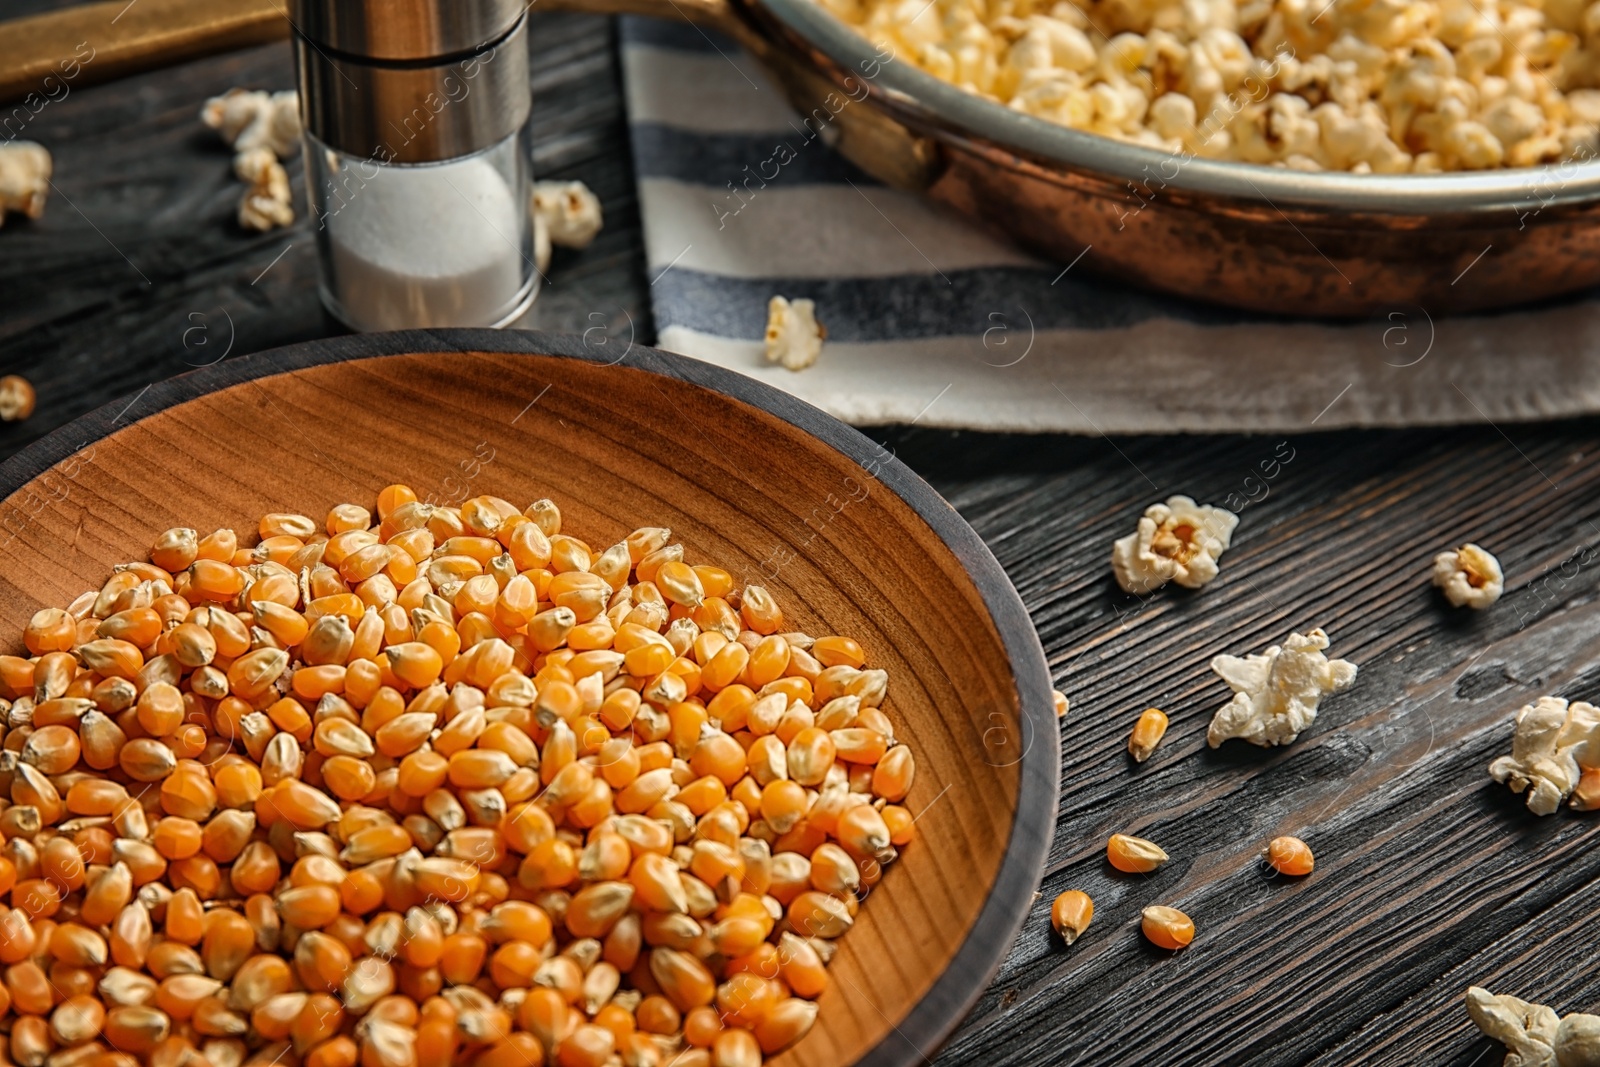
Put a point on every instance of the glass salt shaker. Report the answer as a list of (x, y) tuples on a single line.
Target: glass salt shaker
[(417, 159)]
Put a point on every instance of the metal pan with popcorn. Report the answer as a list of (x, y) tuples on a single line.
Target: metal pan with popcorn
[(1338, 158)]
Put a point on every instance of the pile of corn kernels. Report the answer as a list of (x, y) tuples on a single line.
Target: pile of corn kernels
[(1370, 86), (448, 786)]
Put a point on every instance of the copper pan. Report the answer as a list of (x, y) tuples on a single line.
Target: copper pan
[(1264, 238)]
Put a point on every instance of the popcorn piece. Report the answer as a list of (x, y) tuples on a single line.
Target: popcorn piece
[(24, 178), (262, 128), (1178, 541), (1275, 695), (570, 211), (249, 119), (1533, 1034), (794, 336), (1469, 576), (1578, 1040), (266, 204), (1552, 747), (1528, 1031), (16, 398)]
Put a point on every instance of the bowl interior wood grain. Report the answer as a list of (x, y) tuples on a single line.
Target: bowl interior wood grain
[(844, 536)]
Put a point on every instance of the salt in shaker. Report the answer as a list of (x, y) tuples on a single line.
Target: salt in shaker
[(417, 159)]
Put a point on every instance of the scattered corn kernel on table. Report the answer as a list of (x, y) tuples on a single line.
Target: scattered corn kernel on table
[(1428, 878)]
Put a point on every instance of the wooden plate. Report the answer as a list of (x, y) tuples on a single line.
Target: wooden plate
[(844, 535)]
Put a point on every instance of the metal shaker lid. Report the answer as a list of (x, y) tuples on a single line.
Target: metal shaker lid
[(415, 112), (404, 29)]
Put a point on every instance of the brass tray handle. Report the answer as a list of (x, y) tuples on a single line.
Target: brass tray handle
[(704, 12), (46, 56)]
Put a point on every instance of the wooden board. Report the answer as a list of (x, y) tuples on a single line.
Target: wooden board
[(1429, 876)]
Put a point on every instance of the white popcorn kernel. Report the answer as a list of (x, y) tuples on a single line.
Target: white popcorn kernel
[(1290, 128), (1512, 120), (1528, 1031), (1469, 576), (25, 169), (1123, 55), (1552, 745), (1030, 54), (1578, 1040), (248, 119), (1202, 15), (1533, 1034), (1173, 116), (1110, 108), (1473, 146), (571, 212), (794, 336), (1475, 58), (1178, 541), (1585, 106), (267, 203), (1275, 694), (1069, 46), (1228, 54), (251, 164), (262, 128), (1067, 12)]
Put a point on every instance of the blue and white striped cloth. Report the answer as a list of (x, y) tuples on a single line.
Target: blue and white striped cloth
[(931, 320)]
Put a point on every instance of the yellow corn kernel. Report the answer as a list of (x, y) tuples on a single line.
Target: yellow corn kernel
[(1147, 734), (1167, 927), (1289, 855), (1134, 855), (1070, 914)]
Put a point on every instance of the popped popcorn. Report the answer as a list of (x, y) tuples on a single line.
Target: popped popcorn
[(247, 119), (1275, 694), (1178, 541), (571, 212), (794, 336), (1469, 576), (1534, 1036), (1554, 744), (24, 178), (262, 128), (1370, 86), (266, 204)]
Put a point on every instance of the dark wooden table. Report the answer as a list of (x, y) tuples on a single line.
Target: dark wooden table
[(1429, 877)]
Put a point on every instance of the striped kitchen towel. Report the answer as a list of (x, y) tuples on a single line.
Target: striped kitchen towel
[(931, 320)]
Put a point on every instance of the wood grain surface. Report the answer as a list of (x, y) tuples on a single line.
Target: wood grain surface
[(1429, 876)]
